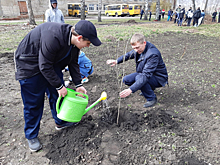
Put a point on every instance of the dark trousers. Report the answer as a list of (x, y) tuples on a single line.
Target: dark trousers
[(195, 21), (149, 17), (159, 17), (141, 16), (147, 89), (33, 93), (213, 19), (189, 21)]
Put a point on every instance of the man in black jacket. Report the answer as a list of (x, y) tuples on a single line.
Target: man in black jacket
[(150, 72), (39, 59), (196, 16)]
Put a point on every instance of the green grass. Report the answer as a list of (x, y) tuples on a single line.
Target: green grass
[(113, 29)]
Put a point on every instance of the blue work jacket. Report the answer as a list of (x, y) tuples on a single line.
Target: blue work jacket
[(149, 63)]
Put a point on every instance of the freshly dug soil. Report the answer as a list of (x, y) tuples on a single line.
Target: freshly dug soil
[(182, 128)]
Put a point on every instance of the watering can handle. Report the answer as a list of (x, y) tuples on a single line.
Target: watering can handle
[(78, 93)]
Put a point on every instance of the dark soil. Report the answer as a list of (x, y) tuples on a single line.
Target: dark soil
[(183, 127)]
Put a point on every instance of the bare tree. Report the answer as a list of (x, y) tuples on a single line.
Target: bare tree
[(174, 4), (206, 3), (83, 16), (99, 10), (194, 6), (157, 9), (30, 13), (147, 8)]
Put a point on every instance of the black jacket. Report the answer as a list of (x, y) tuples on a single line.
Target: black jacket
[(197, 14), (182, 13), (150, 64), (42, 49)]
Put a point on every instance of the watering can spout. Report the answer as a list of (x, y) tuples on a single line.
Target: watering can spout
[(103, 97)]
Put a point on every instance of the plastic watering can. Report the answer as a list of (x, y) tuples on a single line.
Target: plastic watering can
[(73, 107)]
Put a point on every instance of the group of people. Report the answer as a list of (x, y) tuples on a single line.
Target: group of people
[(180, 15), (143, 12), (214, 15), (45, 52)]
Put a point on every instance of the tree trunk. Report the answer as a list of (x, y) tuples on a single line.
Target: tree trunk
[(194, 6), (174, 4), (157, 9), (100, 10), (146, 9), (83, 16), (30, 13), (206, 3)]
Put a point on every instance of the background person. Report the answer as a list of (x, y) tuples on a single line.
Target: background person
[(85, 66), (142, 12), (181, 16), (150, 72), (203, 16), (54, 14), (150, 14), (163, 13), (189, 16), (39, 60), (214, 16), (196, 16), (169, 14)]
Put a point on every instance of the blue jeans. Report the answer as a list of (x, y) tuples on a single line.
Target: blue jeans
[(168, 18), (180, 22), (33, 93), (147, 89)]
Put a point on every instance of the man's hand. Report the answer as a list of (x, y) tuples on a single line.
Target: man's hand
[(125, 93), (81, 90), (62, 92), (112, 62)]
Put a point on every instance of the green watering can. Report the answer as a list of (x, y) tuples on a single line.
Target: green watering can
[(73, 107)]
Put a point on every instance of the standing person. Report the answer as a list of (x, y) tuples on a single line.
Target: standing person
[(150, 72), (142, 12), (189, 16), (181, 16), (54, 14), (175, 16), (214, 16), (196, 16), (150, 15), (203, 16), (218, 17), (169, 14), (178, 9), (160, 13), (39, 59), (163, 13)]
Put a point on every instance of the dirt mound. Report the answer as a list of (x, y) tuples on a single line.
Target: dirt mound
[(131, 21)]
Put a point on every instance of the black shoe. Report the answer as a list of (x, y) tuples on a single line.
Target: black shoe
[(65, 125), (150, 103), (141, 94)]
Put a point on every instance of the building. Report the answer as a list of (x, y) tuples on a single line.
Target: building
[(18, 8)]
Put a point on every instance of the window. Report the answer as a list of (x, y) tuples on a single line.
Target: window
[(97, 7), (91, 7)]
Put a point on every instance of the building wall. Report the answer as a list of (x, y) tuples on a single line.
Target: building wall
[(10, 8)]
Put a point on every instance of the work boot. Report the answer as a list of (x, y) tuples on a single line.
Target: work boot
[(150, 103), (34, 144), (65, 125)]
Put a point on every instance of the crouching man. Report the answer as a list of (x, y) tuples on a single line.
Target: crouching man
[(150, 72)]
